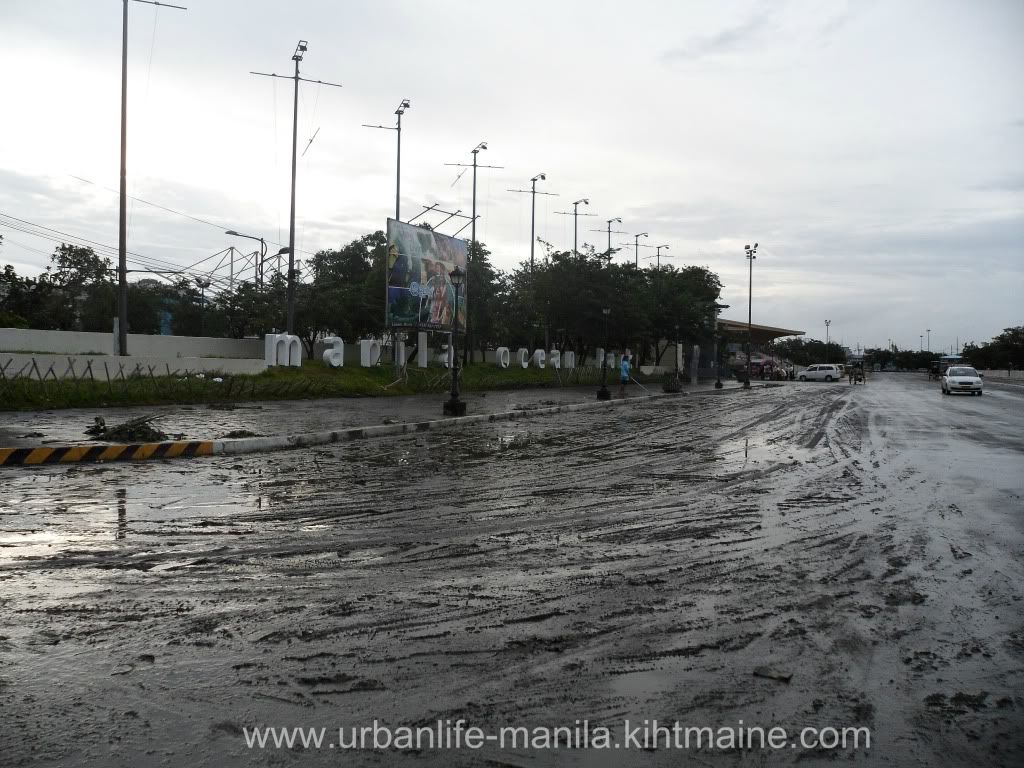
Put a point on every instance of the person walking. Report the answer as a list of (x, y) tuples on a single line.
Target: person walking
[(624, 370)]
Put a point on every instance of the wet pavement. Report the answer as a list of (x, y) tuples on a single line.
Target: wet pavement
[(604, 565), (206, 422)]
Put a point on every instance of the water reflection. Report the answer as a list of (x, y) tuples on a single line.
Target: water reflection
[(122, 513)]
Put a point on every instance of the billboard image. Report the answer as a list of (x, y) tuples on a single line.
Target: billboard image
[(420, 293)]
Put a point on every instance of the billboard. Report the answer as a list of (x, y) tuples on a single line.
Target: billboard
[(420, 293)]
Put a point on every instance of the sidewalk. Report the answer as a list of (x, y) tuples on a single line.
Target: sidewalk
[(26, 429)]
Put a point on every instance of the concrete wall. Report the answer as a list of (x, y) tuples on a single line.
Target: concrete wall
[(70, 366), (142, 345), (1000, 374)]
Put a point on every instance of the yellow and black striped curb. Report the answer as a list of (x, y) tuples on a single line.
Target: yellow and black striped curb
[(186, 449), (68, 454)]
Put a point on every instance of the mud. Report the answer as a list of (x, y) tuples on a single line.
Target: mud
[(803, 556)]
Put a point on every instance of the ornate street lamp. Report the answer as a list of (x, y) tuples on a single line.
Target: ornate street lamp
[(603, 393), (718, 367), (453, 406)]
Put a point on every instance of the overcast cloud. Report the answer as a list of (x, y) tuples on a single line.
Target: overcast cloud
[(875, 150)]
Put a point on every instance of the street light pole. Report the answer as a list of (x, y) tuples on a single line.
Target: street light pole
[(828, 358), (751, 255), (472, 250), (929, 347), (657, 254), (300, 49), (603, 393), (718, 367), (575, 221), (610, 222), (532, 192), (263, 253), (454, 406), (122, 224), (398, 162), (636, 248), (576, 225)]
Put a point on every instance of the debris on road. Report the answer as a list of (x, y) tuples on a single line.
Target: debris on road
[(131, 431), (773, 674)]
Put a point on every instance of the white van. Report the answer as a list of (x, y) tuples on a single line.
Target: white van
[(821, 372)]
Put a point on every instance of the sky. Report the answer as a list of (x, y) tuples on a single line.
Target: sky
[(874, 149)]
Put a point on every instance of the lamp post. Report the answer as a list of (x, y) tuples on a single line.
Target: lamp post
[(657, 255), (454, 406), (398, 165), (636, 248), (603, 393), (827, 351), (929, 347), (263, 253), (751, 255), (921, 336), (533, 213), (610, 222), (718, 367), (678, 356), (575, 224), (203, 285), (532, 192)]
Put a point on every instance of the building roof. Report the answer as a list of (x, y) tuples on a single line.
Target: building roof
[(759, 334)]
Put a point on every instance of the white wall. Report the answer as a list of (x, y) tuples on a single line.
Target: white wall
[(82, 343)]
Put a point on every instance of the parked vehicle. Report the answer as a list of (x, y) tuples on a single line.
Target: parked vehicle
[(962, 378), (820, 372)]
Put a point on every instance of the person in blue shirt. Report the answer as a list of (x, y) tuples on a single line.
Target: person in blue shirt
[(624, 369)]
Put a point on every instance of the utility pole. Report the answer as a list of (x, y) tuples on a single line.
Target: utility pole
[(609, 231), (472, 251), (300, 49), (929, 347), (575, 215), (398, 164), (122, 228), (751, 255), (532, 192), (636, 248)]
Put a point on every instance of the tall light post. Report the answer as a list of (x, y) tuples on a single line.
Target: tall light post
[(472, 250), (636, 248), (203, 285), (263, 253), (657, 255), (300, 50), (603, 393), (921, 336), (751, 255), (827, 350), (929, 347), (122, 226), (575, 225), (532, 192), (398, 163), (454, 406)]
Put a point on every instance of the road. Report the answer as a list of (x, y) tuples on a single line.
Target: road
[(636, 563)]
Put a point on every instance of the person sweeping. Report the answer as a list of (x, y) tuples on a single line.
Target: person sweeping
[(624, 372)]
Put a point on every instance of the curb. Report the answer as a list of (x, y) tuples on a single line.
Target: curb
[(69, 454), (91, 452)]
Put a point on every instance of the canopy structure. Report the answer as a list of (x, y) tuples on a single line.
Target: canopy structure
[(759, 334)]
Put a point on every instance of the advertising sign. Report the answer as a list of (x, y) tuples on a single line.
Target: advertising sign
[(420, 292)]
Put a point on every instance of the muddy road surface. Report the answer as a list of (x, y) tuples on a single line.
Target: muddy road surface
[(799, 556)]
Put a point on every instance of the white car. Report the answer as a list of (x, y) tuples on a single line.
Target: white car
[(820, 372), (961, 378)]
